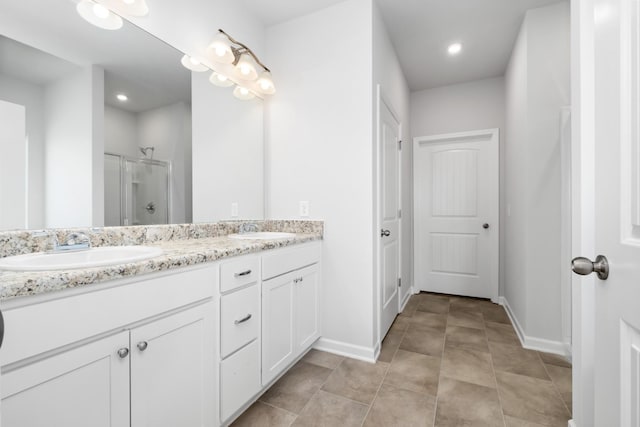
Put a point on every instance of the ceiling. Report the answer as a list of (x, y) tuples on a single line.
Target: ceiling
[(421, 31), (56, 40)]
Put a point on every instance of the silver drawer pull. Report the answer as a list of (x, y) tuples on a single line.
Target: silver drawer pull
[(298, 280), (243, 273), (123, 352), (244, 319)]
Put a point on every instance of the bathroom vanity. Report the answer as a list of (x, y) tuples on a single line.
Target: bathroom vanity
[(190, 338)]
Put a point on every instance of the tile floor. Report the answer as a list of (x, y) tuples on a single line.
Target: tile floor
[(447, 361)]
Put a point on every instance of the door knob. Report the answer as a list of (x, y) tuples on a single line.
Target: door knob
[(485, 225), (142, 345), (385, 233), (123, 352), (584, 266)]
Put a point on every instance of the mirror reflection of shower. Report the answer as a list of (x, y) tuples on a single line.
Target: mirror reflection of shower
[(136, 190)]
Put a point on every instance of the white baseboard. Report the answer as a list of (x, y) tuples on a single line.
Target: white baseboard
[(367, 354), (572, 423), (534, 343)]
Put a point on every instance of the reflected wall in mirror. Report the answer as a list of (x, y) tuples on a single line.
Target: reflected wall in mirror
[(60, 78)]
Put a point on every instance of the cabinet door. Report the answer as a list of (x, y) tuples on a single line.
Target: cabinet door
[(277, 326), (172, 375), (87, 385), (307, 307)]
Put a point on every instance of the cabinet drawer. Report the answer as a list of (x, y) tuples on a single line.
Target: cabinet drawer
[(239, 319), (239, 379), (239, 272), (276, 263)]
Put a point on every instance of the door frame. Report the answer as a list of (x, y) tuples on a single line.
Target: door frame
[(380, 99), (493, 133)]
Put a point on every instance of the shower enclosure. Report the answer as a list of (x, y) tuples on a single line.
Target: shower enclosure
[(136, 191)]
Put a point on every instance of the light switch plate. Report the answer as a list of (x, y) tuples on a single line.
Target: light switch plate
[(304, 209)]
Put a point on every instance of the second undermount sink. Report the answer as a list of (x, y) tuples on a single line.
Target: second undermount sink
[(94, 257), (262, 235)]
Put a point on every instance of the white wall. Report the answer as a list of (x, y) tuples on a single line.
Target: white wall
[(228, 153), (463, 107), (538, 82), (32, 98), (319, 149), (120, 132), (74, 177), (13, 159), (388, 74)]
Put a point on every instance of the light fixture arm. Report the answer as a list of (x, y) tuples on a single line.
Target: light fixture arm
[(242, 49)]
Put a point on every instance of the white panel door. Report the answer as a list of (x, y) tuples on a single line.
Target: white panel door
[(389, 153), (456, 213), (85, 386), (615, 159), (172, 367)]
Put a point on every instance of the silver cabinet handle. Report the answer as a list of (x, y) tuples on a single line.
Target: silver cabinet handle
[(485, 225), (243, 273), (298, 280), (584, 266), (142, 345), (123, 352), (244, 319), (385, 233)]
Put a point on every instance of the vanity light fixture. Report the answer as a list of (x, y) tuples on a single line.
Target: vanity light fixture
[(99, 15), (122, 97), (220, 80), (243, 93), (127, 7), (193, 64), (454, 49)]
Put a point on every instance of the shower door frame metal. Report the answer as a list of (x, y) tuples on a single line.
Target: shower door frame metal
[(125, 190)]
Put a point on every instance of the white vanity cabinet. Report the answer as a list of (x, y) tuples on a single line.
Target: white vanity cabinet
[(137, 354), (290, 306)]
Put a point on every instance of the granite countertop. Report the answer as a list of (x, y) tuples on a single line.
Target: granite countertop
[(177, 253)]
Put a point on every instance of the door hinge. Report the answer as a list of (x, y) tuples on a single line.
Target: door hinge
[(399, 145), (399, 282), (399, 213)]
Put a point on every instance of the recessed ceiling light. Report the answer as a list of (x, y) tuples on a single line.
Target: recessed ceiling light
[(122, 97), (454, 48)]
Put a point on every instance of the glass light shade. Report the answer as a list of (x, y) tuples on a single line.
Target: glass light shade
[(243, 93), (220, 80), (127, 7), (193, 64), (245, 69), (99, 15), (221, 50), (266, 83)]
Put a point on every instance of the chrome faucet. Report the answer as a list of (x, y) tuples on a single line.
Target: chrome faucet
[(73, 242), (248, 227)]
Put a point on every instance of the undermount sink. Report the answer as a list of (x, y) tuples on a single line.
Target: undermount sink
[(94, 257), (262, 235)]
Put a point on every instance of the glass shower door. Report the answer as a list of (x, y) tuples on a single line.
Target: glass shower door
[(146, 192)]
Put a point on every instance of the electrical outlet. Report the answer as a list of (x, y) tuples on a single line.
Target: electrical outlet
[(304, 209), (234, 210)]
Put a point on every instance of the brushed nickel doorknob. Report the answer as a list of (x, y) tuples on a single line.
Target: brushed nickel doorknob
[(584, 266)]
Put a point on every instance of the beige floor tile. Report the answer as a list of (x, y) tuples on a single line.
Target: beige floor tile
[(390, 345), (531, 399), (263, 415), (437, 322), (414, 371), (322, 358), (423, 340), (398, 407), (474, 305), (465, 404), (434, 305), (554, 359), (467, 319), (329, 410), (495, 313), (466, 338), (517, 360), (411, 307), (501, 333), (400, 324), (561, 378), (468, 365), (356, 380), (296, 387), (515, 422)]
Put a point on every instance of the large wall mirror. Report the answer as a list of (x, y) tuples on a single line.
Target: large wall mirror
[(97, 126)]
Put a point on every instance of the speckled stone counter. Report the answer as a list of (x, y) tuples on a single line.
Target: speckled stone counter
[(183, 245)]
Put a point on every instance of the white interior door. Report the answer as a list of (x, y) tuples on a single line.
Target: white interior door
[(456, 187), (389, 154), (614, 156)]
